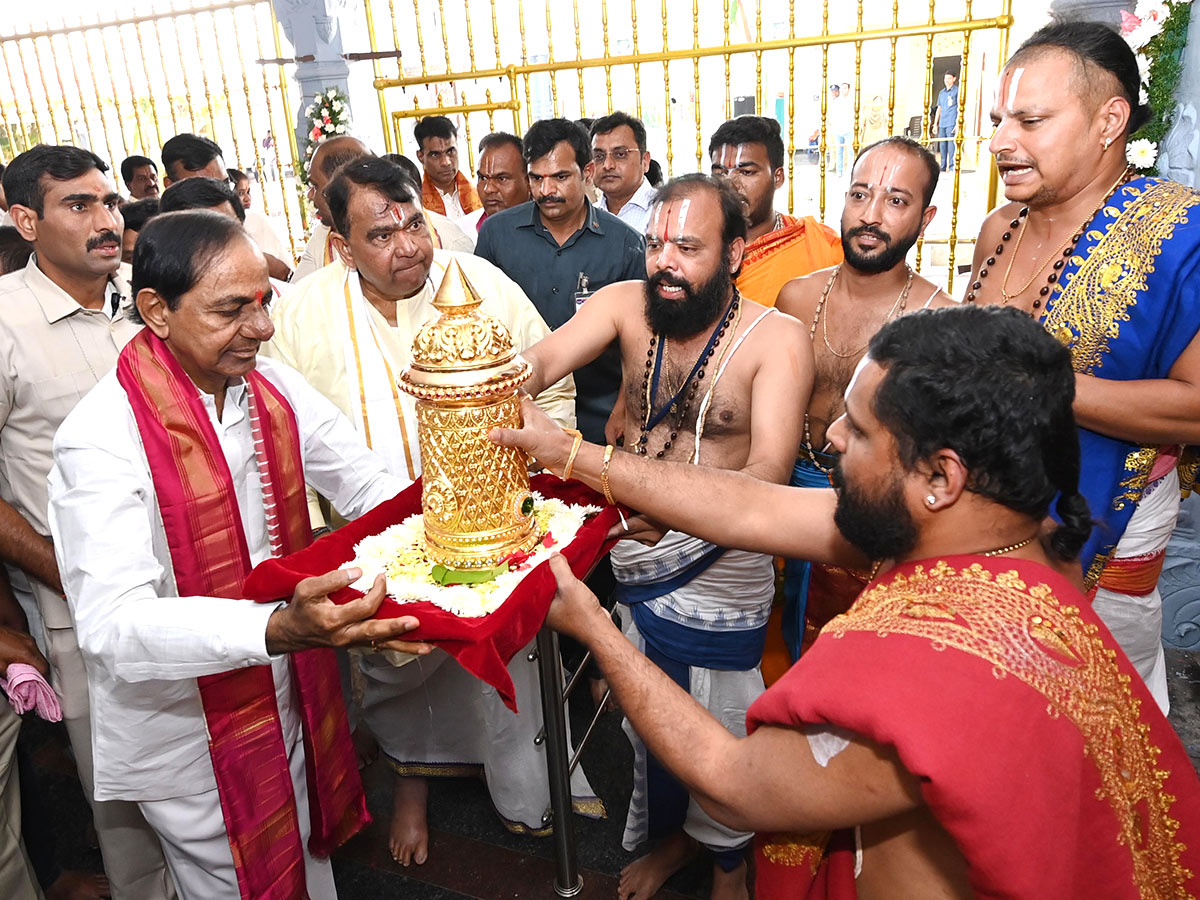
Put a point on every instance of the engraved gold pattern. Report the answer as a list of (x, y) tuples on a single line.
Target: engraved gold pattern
[(791, 849), (1105, 287), (464, 375), (1025, 632)]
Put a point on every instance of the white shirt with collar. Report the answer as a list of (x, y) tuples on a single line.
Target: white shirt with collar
[(144, 646), (636, 211)]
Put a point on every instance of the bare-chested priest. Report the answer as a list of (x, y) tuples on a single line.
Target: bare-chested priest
[(888, 206), (705, 379)]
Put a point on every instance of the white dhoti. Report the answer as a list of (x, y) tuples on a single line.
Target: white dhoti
[(733, 594), (196, 844), (1136, 621), (433, 718)]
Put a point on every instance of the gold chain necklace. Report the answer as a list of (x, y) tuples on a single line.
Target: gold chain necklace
[(999, 551), (1072, 239), (897, 309)]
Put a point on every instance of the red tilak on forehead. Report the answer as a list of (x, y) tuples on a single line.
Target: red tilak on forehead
[(260, 294)]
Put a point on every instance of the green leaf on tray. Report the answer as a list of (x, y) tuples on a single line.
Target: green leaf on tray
[(443, 576)]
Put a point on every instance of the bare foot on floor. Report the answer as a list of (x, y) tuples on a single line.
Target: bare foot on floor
[(409, 838), (729, 885), (642, 878), (78, 886), (366, 748)]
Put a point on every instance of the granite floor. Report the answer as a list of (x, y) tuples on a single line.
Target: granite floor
[(472, 856)]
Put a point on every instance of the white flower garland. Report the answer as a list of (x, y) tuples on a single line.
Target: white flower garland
[(398, 553), (1139, 28), (328, 116)]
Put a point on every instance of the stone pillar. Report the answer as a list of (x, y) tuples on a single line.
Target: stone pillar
[(314, 28), (1106, 11), (1179, 153)]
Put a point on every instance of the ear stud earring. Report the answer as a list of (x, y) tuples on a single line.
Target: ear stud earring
[(931, 500)]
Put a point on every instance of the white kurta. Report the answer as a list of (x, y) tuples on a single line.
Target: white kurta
[(431, 717), (143, 645)]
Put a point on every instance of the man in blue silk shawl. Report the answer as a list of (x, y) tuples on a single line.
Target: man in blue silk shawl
[(1106, 259)]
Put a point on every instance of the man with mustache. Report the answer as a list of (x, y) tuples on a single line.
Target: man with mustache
[(349, 329), (969, 728), (66, 318), (1106, 260), (749, 152), (560, 249), (622, 161), (887, 209), (706, 379), (444, 189), (500, 178)]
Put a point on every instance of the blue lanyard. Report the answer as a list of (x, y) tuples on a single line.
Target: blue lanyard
[(653, 418)]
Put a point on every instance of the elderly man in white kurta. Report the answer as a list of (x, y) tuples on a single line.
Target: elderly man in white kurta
[(349, 328), (182, 469)]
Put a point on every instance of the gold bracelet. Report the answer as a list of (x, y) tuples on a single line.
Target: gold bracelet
[(577, 439), (608, 455)]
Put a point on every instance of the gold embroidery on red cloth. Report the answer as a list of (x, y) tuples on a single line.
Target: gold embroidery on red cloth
[(1050, 648), (794, 849)]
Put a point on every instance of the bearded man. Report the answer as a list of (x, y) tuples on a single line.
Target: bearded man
[(969, 728), (749, 152), (1107, 262), (701, 382), (887, 209)]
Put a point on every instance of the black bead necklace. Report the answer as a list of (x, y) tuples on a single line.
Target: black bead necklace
[(681, 401), (1060, 256)]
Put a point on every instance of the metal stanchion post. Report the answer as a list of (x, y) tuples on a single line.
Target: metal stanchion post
[(567, 881)]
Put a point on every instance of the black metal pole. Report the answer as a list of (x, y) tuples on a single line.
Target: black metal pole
[(567, 881)]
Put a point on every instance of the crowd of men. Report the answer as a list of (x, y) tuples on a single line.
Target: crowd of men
[(973, 522)]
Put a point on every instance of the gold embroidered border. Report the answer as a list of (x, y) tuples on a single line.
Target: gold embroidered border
[(794, 849), (1024, 631), (1139, 463), (1189, 466), (1088, 313)]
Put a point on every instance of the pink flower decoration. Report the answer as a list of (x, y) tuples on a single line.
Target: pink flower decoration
[(1129, 22)]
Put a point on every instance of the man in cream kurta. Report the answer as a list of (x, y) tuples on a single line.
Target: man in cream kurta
[(334, 328)]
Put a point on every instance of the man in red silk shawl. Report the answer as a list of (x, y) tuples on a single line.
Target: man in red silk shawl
[(969, 728), (182, 469)]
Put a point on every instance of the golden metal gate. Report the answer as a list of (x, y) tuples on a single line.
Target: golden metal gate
[(680, 67), (122, 86)]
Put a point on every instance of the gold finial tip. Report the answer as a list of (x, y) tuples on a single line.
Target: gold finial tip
[(456, 291)]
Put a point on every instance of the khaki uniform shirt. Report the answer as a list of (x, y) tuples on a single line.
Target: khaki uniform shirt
[(52, 352)]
